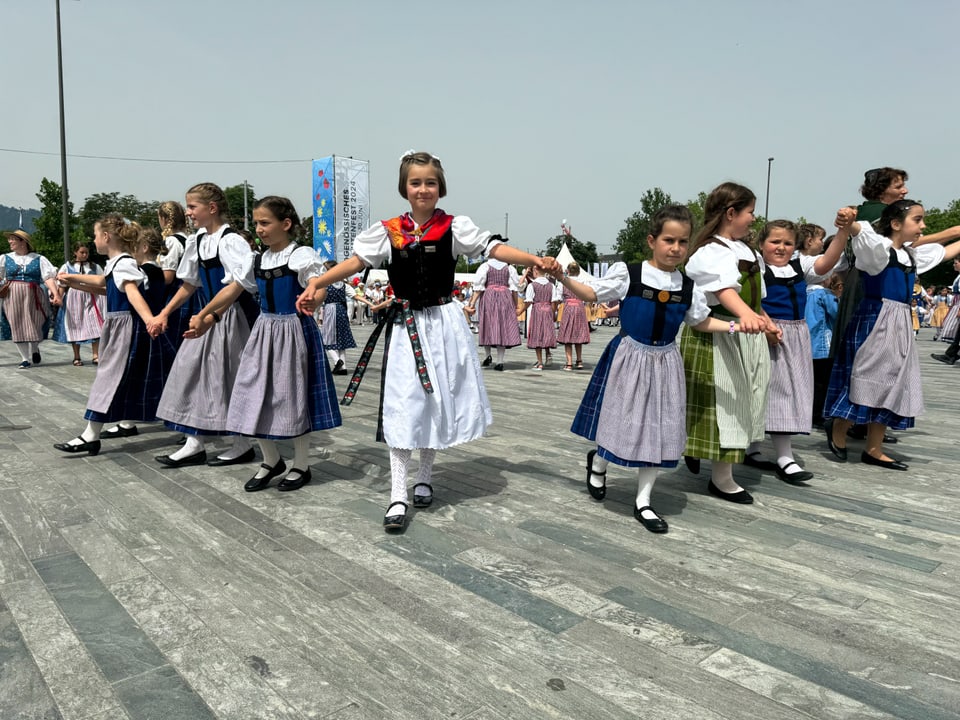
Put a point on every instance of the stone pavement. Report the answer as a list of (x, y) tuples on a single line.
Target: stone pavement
[(132, 591)]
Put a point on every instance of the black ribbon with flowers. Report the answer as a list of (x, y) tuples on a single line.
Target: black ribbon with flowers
[(398, 309)]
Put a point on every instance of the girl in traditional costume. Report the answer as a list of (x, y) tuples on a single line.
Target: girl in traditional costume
[(727, 375), (81, 315), (133, 365), (201, 383), (574, 330), (494, 299), (540, 304), (633, 407), (337, 336), (285, 389), (876, 373), (429, 347)]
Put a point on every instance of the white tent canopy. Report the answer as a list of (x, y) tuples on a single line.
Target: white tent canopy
[(565, 258)]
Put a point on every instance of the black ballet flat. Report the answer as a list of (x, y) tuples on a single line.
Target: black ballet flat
[(752, 460), (198, 458), (249, 455), (657, 525), (597, 493), (91, 447), (838, 452), (859, 432), (422, 501), (742, 497), (498, 367), (256, 484), (288, 483), (396, 523), (692, 463), (486, 361), (118, 431), (869, 459)]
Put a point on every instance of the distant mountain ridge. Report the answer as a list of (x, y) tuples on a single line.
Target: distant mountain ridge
[(10, 218)]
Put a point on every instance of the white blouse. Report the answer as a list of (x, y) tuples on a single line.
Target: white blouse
[(872, 251), (806, 264), (304, 260), (372, 246), (714, 267), (480, 281), (123, 269), (170, 260), (232, 249), (47, 270), (556, 290), (614, 286)]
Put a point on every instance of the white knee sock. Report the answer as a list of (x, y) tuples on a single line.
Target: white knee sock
[(192, 446), (398, 478), (89, 434), (501, 351), (34, 347), (240, 445), (301, 452), (783, 446), (489, 349), (271, 456), (599, 465), (646, 477), (24, 350), (425, 472)]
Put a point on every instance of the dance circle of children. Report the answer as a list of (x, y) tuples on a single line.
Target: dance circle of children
[(214, 339)]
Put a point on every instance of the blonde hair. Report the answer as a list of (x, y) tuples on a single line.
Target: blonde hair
[(124, 232), (573, 269), (173, 219), (150, 241), (211, 193)]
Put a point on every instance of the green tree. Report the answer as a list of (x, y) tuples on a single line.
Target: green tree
[(631, 241), (938, 220), (234, 195), (131, 207), (47, 237), (584, 253)]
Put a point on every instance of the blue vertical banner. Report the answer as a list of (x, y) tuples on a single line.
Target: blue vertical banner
[(324, 208)]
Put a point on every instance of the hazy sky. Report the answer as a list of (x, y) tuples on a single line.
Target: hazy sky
[(541, 109)]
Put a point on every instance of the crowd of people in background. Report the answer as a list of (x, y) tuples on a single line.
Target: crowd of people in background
[(724, 339)]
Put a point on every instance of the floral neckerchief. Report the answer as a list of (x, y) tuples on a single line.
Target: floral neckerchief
[(403, 231)]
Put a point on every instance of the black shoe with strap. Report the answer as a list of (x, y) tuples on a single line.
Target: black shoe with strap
[(396, 523), (597, 493)]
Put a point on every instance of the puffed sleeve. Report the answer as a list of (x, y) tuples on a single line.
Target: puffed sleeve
[(246, 277), (189, 268), (528, 296), (170, 260), (480, 281), (233, 251), (698, 310), (349, 290), (65, 268), (307, 264), (613, 285), (372, 246), (714, 267), (928, 256), (871, 249), (47, 270), (809, 274), (470, 240), (557, 292), (126, 270), (514, 278)]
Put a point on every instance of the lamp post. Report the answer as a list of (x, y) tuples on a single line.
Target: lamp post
[(63, 147), (766, 209)]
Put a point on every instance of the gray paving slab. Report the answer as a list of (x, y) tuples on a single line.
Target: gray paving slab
[(132, 591)]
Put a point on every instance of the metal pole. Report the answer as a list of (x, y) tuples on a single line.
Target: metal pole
[(246, 220), (63, 148), (766, 210), (506, 224)]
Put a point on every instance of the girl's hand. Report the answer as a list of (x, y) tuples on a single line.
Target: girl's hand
[(752, 323), (198, 326), (469, 310), (845, 216), (307, 302), (774, 334)]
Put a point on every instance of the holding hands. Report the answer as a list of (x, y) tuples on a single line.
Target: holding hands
[(845, 217)]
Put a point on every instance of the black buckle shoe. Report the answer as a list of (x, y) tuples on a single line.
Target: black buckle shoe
[(597, 493), (296, 483), (255, 483), (742, 496), (91, 447), (657, 525), (422, 501), (396, 523)]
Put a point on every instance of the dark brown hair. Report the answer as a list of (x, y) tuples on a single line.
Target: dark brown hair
[(420, 158), (876, 181), (894, 212), (722, 198), (677, 213), (774, 224)]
